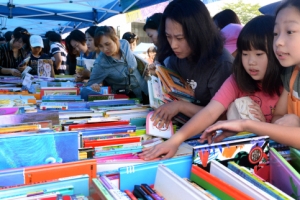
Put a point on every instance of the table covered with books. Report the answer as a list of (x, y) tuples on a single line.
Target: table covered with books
[(55, 145)]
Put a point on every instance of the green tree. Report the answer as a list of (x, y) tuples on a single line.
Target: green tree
[(245, 11)]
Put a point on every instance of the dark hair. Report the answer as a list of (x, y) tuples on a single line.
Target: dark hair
[(2, 39), (48, 33), (21, 33), (199, 30), (288, 3), (130, 37), (70, 49), (8, 35), (107, 31), (151, 49), (153, 21), (258, 34), (46, 48), (226, 17), (78, 36), (91, 31), (54, 37)]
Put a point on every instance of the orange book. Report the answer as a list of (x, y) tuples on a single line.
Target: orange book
[(215, 185), (51, 172), (175, 82)]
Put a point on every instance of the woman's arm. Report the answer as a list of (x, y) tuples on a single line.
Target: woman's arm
[(98, 74)]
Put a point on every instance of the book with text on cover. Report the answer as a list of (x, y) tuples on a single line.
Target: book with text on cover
[(175, 82)]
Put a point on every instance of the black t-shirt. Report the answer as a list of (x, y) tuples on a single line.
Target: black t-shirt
[(33, 62), (205, 81)]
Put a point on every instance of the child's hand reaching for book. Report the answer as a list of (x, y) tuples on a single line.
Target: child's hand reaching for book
[(164, 114), (162, 151), (229, 128)]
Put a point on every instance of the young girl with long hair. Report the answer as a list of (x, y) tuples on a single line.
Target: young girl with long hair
[(286, 127)]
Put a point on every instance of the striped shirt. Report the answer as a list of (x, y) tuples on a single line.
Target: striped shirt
[(58, 48), (7, 59)]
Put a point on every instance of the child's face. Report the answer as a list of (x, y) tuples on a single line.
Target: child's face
[(255, 63), (36, 50), (287, 37)]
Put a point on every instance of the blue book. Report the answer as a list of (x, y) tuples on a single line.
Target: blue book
[(67, 186), (146, 172), (111, 103), (24, 150)]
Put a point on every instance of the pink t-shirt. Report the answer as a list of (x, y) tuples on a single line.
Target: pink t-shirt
[(229, 92)]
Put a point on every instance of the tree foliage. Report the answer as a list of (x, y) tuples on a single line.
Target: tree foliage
[(245, 11)]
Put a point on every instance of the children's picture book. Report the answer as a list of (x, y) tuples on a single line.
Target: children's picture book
[(45, 68), (54, 106), (164, 132), (175, 82), (37, 149), (283, 175), (48, 84), (251, 153)]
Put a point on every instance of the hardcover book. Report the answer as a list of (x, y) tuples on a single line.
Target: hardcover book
[(175, 82)]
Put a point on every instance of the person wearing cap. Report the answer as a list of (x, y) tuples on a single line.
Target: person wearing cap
[(12, 52), (151, 26), (231, 32), (36, 45), (131, 38)]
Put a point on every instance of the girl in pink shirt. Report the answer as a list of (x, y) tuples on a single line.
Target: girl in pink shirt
[(256, 73)]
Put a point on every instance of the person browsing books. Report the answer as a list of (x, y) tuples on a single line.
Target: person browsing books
[(256, 74), (12, 52), (195, 49), (152, 25), (116, 65), (36, 45), (286, 127), (131, 38)]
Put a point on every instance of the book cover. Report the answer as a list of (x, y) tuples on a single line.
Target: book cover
[(145, 173), (47, 173), (283, 175), (59, 91), (251, 153), (164, 132), (258, 182), (30, 117), (37, 149), (295, 158), (77, 184), (172, 186), (174, 81), (45, 68), (215, 186), (231, 178)]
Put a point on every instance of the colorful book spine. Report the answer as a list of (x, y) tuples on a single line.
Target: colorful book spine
[(247, 175)]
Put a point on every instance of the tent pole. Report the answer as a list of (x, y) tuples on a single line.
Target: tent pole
[(125, 10)]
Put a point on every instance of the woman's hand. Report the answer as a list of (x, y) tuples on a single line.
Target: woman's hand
[(288, 120), (163, 115), (229, 128), (163, 150), (15, 72), (96, 87), (256, 111)]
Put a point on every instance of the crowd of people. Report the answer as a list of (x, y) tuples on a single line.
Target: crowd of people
[(224, 59)]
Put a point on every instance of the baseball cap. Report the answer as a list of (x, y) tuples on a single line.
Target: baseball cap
[(36, 41), (231, 33)]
